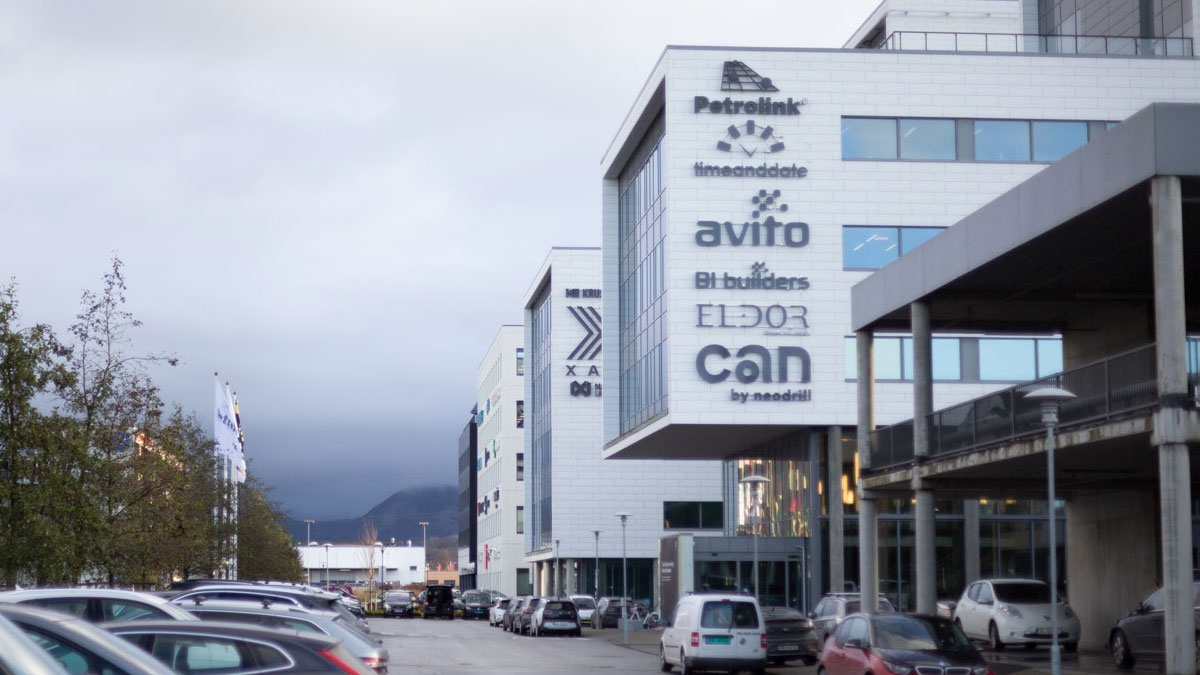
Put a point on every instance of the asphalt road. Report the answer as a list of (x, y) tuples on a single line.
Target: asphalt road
[(440, 647), (437, 647)]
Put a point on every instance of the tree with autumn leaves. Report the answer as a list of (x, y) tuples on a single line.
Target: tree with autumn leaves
[(97, 484)]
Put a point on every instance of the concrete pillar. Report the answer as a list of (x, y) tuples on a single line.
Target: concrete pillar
[(971, 540), (1171, 425), (833, 496), (571, 587), (926, 547), (868, 552), (1118, 528), (812, 503)]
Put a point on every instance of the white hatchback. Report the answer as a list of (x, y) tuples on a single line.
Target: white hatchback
[(1014, 611), (711, 631)]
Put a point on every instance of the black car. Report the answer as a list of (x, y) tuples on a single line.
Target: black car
[(439, 601), (514, 610), (398, 603), (900, 643), (523, 621), (1139, 636), (790, 636), (476, 604), (187, 646)]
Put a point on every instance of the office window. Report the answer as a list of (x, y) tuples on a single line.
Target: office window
[(866, 138), (928, 139), (520, 360), (520, 520), (887, 359), (693, 515), (869, 248), (520, 414), (520, 466), (1054, 140), (1049, 357), (1002, 140), (1006, 359), (947, 359)]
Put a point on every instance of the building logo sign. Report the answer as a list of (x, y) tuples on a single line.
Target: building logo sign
[(737, 76), (768, 232), (763, 105), (759, 279), (588, 348), (775, 319)]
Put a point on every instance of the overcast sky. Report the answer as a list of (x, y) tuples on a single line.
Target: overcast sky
[(335, 204)]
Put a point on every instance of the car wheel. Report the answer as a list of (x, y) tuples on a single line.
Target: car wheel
[(994, 637), (663, 664), (683, 665), (1070, 647), (1118, 646)]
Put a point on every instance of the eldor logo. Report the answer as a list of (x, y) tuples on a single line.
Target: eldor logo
[(589, 347), (792, 235)]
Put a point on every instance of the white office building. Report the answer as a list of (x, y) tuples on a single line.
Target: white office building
[(354, 564), (500, 462), (749, 189), (572, 495)]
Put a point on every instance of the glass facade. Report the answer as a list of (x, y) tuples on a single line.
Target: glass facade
[(1146, 18), (785, 503), (868, 247), (963, 359), (642, 280), (540, 532), (922, 139)]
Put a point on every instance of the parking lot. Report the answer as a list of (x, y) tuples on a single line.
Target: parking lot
[(439, 647)]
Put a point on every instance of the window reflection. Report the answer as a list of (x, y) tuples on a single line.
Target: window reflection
[(996, 359), (927, 139), (1054, 140), (1002, 140), (865, 138)]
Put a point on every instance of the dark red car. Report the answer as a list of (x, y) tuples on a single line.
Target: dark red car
[(899, 644)]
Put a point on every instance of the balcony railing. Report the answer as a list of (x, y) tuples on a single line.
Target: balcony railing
[(1115, 387), (1116, 45)]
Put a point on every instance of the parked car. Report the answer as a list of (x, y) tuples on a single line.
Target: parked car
[(555, 616), (188, 647), (79, 646), (99, 604), (439, 601), (398, 603), (586, 606), (714, 631), (837, 606), (1007, 611), (883, 644), (364, 647), (321, 602), (789, 636), (523, 621), (19, 654), (1139, 635), (609, 610), (475, 604), (497, 610), (509, 620)]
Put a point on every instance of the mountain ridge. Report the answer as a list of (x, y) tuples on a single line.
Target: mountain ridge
[(395, 517)]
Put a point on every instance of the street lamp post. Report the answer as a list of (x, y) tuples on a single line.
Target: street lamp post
[(596, 572), (624, 516), (307, 543), (1051, 398), (424, 551), (755, 483), (327, 547), (557, 575)]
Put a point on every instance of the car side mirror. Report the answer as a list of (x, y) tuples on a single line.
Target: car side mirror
[(857, 643)]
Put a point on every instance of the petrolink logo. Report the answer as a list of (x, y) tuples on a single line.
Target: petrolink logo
[(763, 105), (769, 232)]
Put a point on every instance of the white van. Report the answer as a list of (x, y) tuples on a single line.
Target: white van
[(711, 631)]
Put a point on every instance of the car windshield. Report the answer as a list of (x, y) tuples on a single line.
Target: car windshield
[(585, 603), (910, 633), (853, 606), (475, 597), (1025, 592), (559, 610)]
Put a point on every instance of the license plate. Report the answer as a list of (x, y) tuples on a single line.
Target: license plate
[(1041, 631), (717, 640), (788, 648)]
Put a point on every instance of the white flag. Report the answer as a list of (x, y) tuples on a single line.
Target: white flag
[(225, 429)]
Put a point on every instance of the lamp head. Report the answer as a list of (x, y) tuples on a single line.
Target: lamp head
[(754, 480), (623, 515), (1050, 395)]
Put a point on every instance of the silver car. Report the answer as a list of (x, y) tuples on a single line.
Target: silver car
[(20, 654), (81, 647), (99, 604), (274, 595), (364, 647)]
